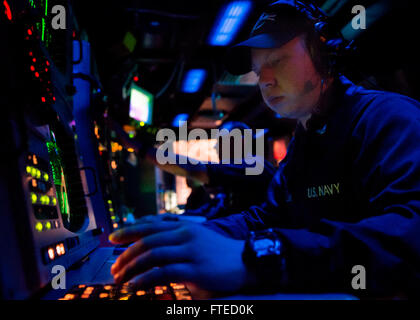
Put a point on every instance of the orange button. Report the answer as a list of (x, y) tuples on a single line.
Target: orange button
[(103, 295), (51, 253), (141, 293)]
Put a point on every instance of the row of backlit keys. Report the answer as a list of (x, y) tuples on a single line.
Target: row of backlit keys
[(180, 291)]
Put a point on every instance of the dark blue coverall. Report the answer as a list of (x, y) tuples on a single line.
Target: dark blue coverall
[(347, 193)]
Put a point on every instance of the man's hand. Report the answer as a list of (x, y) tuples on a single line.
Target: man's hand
[(179, 251)]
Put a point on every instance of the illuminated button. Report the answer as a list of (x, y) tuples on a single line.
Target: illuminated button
[(38, 226), (85, 296), (103, 295), (109, 201), (38, 173), (45, 200), (35, 160), (51, 253), (69, 296), (124, 298), (82, 286), (115, 225), (48, 225), (28, 169), (34, 183), (142, 124), (158, 291), (108, 287), (141, 293), (34, 197), (58, 249), (89, 289), (177, 286), (33, 172), (53, 201), (46, 177), (113, 217)]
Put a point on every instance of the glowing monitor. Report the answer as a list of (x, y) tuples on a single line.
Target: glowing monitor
[(141, 105)]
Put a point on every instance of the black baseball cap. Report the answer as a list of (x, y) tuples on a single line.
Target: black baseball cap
[(279, 23)]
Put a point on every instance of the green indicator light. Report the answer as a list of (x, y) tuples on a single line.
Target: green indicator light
[(131, 135), (48, 225), (37, 173), (34, 198), (28, 169), (46, 177), (43, 30), (109, 201), (33, 172), (54, 201), (47, 200), (111, 210), (46, 7), (38, 226), (113, 217)]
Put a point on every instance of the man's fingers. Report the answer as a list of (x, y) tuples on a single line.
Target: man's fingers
[(138, 231), (179, 272), (157, 257), (165, 238)]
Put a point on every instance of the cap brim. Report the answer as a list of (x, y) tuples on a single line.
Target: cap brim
[(238, 59)]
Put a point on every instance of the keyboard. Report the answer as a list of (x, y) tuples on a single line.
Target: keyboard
[(174, 291)]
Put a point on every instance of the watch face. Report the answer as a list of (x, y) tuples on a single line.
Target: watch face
[(263, 244)]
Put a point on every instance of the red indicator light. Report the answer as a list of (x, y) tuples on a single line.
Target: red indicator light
[(30, 53), (53, 98), (32, 68), (136, 78), (37, 74), (7, 11), (34, 60), (43, 99), (46, 69), (30, 32), (47, 63)]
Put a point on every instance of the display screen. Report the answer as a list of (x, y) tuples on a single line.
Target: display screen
[(67, 180), (141, 105)]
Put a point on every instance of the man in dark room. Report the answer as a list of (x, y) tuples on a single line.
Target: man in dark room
[(347, 194)]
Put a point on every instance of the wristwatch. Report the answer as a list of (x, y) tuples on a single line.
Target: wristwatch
[(264, 256)]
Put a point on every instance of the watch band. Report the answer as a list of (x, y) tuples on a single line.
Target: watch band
[(264, 256)]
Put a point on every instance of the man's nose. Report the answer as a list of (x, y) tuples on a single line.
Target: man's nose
[(267, 77)]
